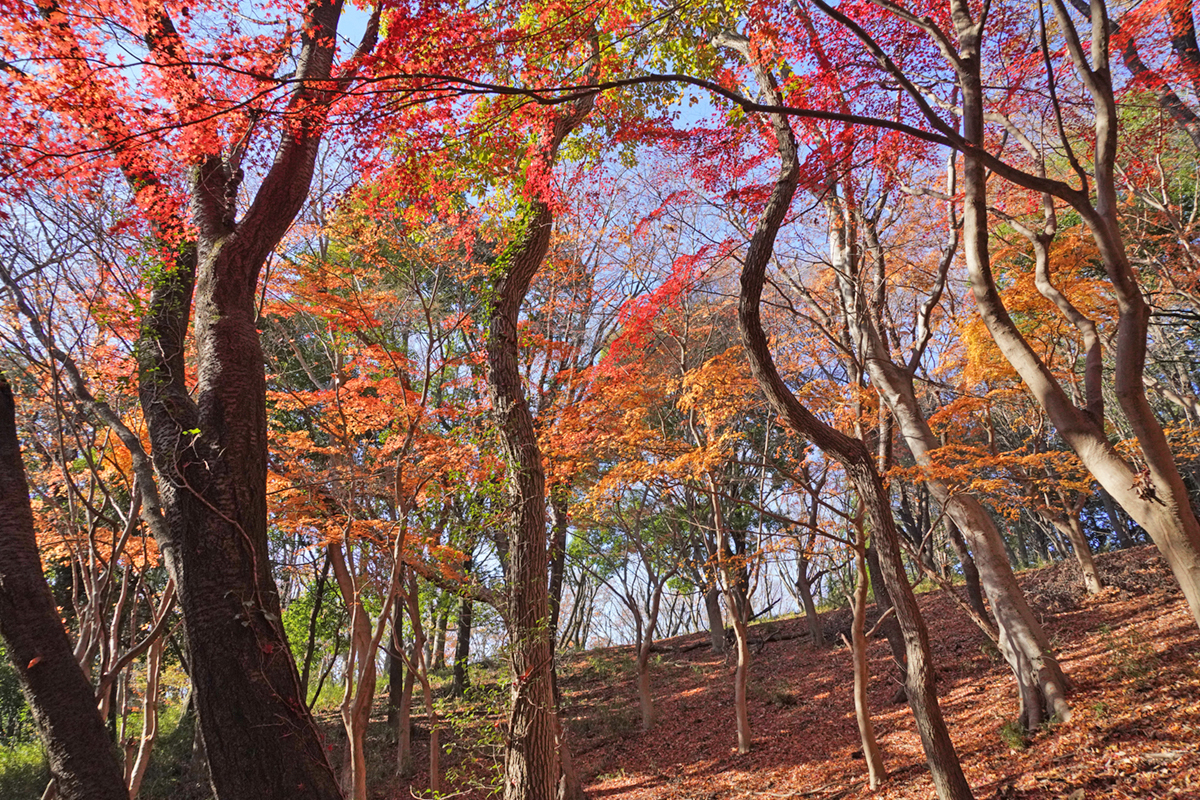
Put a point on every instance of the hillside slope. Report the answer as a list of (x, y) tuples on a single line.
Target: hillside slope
[(1133, 654)]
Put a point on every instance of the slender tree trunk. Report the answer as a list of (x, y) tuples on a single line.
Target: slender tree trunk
[(395, 670), (404, 756), (420, 668), (462, 649), (969, 570), (141, 762), (856, 459), (60, 698), (862, 672), (1070, 526), (645, 698), (716, 622), (311, 644), (1117, 520), (815, 631), (738, 607), (439, 638), (559, 503)]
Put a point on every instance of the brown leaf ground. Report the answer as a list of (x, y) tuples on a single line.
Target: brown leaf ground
[(1133, 654)]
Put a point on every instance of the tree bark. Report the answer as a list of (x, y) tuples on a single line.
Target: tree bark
[(1070, 526), (531, 759), (439, 638), (559, 503), (856, 459), (969, 570), (395, 670), (876, 771), (462, 647), (82, 762), (716, 621), (811, 617)]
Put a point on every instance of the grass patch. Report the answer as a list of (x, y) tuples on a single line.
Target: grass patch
[(23, 771)]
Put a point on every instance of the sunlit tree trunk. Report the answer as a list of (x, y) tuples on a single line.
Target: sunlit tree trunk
[(862, 673), (531, 761), (855, 458)]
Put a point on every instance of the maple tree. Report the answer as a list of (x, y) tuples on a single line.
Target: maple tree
[(489, 256)]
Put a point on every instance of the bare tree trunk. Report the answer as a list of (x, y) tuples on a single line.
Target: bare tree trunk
[(419, 667), (462, 649), (645, 698), (969, 570), (804, 588), (439, 638), (559, 501), (716, 622), (395, 668), (149, 718), (60, 698), (1070, 526), (1117, 520), (876, 771), (404, 757), (856, 459), (310, 646), (531, 759)]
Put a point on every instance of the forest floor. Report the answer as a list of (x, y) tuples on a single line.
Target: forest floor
[(1133, 654)]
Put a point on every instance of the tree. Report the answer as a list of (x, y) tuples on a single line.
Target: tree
[(1154, 496), (59, 694), (851, 453), (533, 760), (203, 481)]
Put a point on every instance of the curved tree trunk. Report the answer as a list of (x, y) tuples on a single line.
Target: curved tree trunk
[(1040, 681), (876, 771), (855, 458), (1156, 496), (83, 764), (531, 759)]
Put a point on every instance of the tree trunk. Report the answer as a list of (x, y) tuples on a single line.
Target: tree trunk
[(815, 631), (60, 698), (439, 638), (395, 670), (716, 622), (1156, 496), (889, 627), (311, 644), (1040, 681), (559, 503), (462, 649), (141, 762), (645, 698), (404, 756), (1117, 520), (1071, 527), (862, 673), (969, 570), (531, 759), (856, 459)]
